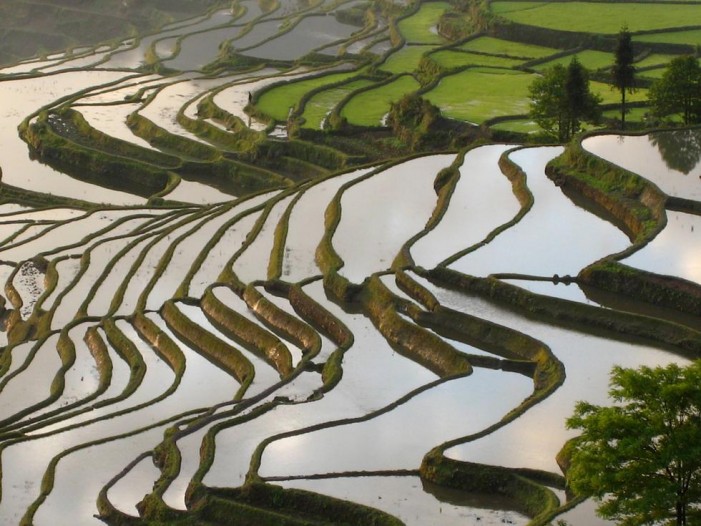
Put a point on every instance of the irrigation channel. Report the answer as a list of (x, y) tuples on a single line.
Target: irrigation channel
[(189, 335)]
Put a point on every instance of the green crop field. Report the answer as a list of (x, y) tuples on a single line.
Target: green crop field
[(369, 107), (691, 37), (589, 59), (603, 18), (405, 60), (479, 94), (421, 26), (319, 105), (497, 46), (450, 59), (277, 101)]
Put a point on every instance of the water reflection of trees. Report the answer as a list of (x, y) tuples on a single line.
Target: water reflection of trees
[(680, 150)]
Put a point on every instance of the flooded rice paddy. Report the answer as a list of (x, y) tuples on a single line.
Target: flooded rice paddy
[(274, 333)]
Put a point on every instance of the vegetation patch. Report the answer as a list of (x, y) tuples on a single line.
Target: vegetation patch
[(421, 27), (592, 17), (479, 94), (368, 108)]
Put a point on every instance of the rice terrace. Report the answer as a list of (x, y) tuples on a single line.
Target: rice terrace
[(305, 262)]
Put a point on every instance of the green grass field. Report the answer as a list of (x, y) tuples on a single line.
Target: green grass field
[(454, 59), (479, 94), (602, 18), (497, 46), (318, 106), (420, 27), (277, 101), (692, 37), (589, 59), (405, 60), (613, 96), (654, 60), (369, 107)]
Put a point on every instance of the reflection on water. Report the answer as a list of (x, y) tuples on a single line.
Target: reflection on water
[(680, 150), (654, 159)]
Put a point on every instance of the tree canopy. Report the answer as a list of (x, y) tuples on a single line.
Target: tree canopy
[(561, 100), (642, 457), (678, 92)]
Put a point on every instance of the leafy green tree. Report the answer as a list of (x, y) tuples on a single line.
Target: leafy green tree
[(641, 458), (561, 100), (678, 92), (413, 119), (623, 70)]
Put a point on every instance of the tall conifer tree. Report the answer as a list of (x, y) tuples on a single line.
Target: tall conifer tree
[(623, 70)]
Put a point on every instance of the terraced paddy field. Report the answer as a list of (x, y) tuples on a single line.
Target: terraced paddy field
[(232, 294)]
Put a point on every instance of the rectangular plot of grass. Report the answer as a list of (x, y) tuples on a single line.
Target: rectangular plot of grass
[(691, 37), (655, 59), (369, 107), (613, 96), (519, 126), (603, 18), (589, 59), (420, 27), (405, 60), (497, 46), (476, 95), (277, 101), (322, 103), (454, 59)]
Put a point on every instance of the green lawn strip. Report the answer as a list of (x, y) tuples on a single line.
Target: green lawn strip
[(601, 18), (248, 334), (478, 94), (282, 322), (319, 105), (367, 108), (451, 59), (517, 126), (610, 95), (420, 27), (590, 59), (691, 37), (277, 253), (277, 101), (409, 339), (220, 353), (497, 46), (636, 115), (657, 59), (652, 73), (405, 60)]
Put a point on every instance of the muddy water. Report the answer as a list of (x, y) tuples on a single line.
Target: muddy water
[(555, 237), (671, 160), (676, 251), (415, 502), (17, 168), (309, 34), (482, 201), (380, 213)]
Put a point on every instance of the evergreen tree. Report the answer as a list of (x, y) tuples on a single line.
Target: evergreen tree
[(623, 70)]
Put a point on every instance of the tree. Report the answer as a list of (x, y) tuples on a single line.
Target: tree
[(623, 70), (413, 119), (679, 90), (642, 457), (561, 100)]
